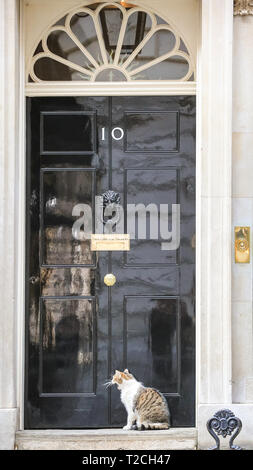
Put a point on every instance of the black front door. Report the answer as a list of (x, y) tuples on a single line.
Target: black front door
[(79, 330)]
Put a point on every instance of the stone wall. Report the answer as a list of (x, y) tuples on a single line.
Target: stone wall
[(242, 326)]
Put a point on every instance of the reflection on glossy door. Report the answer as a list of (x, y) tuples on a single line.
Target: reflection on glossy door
[(78, 328)]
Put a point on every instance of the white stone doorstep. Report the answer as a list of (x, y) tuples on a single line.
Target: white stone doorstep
[(107, 439)]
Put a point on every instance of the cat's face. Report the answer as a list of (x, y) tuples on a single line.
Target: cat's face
[(120, 378)]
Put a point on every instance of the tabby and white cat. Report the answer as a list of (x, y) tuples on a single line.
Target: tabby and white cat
[(145, 406)]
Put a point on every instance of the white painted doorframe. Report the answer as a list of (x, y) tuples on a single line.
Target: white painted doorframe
[(213, 205)]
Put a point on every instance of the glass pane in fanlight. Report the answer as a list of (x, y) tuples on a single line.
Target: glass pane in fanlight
[(62, 45), (138, 26), (50, 70), (83, 27), (110, 22), (110, 75), (160, 43), (174, 68), (61, 21), (160, 20)]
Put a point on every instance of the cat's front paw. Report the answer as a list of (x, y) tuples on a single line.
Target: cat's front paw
[(127, 428)]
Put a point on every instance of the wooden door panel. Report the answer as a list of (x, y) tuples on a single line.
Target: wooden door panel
[(67, 315), (154, 299), (79, 330)]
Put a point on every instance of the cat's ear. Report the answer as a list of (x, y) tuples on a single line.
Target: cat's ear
[(126, 371), (117, 371)]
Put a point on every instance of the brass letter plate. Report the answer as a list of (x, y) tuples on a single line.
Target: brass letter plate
[(110, 242), (242, 244)]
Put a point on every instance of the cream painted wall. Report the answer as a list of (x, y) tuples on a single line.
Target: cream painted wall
[(39, 14), (9, 218), (242, 323)]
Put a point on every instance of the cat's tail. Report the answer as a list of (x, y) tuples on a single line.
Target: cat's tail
[(148, 425)]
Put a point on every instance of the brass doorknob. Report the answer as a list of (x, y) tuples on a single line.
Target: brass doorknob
[(109, 279)]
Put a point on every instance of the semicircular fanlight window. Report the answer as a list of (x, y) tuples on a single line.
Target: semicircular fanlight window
[(111, 42)]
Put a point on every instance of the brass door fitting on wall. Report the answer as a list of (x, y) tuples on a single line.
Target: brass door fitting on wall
[(242, 244)]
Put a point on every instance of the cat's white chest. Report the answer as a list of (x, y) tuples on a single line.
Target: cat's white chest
[(128, 395)]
